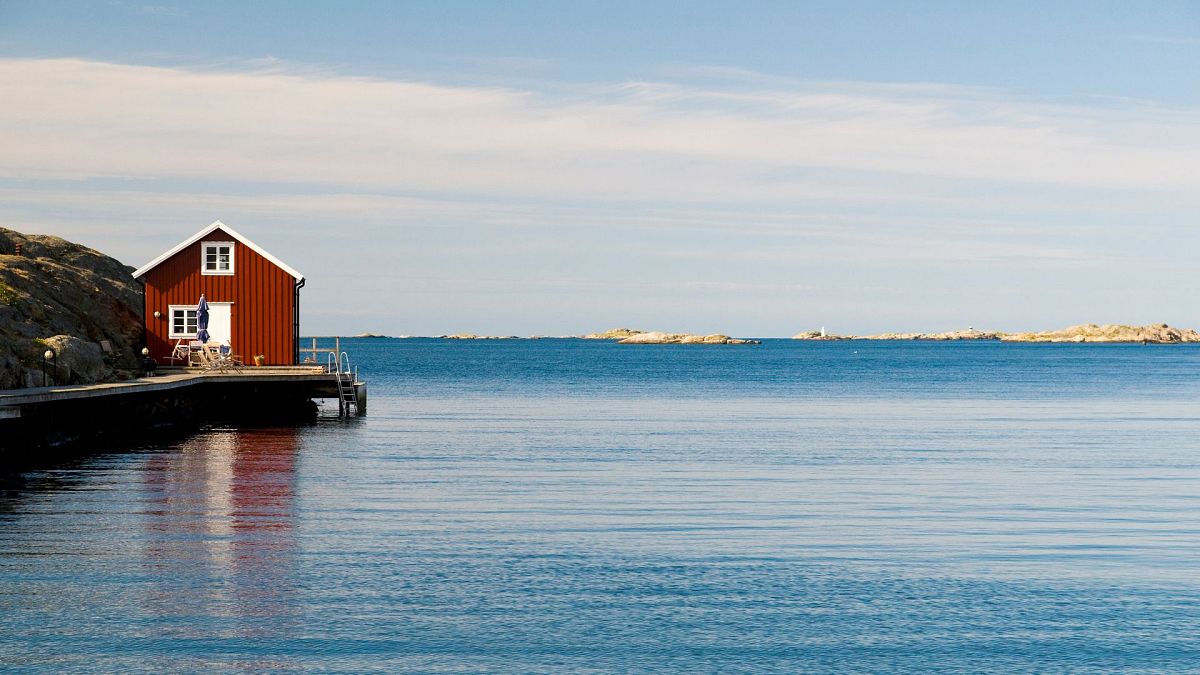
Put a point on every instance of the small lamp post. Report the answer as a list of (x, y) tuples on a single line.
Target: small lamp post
[(149, 365), (51, 356)]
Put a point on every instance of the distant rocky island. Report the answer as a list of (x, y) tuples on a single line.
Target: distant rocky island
[(1151, 334), (614, 334), (1159, 333), (472, 336), (1089, 332), (630, 336), (968, 334)]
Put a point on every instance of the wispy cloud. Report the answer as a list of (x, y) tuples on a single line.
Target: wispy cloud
[(80, 119)]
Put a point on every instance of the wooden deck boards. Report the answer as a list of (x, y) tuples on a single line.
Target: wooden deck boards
[(169, 379)]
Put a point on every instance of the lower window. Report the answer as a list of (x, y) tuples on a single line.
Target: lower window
[(183, 322)]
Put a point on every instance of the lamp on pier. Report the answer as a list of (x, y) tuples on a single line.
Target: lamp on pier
[(49, 356), (149, 365)]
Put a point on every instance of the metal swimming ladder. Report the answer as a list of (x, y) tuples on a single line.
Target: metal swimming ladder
[(338, 365)]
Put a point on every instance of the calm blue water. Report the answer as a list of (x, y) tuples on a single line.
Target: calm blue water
[(550, 506)]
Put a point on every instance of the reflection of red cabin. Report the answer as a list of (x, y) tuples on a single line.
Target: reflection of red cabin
[(253, 298)]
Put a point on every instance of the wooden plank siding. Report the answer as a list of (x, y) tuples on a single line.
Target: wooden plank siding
[(262, 294)]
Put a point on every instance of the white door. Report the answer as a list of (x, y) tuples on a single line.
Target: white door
[(220, 323)]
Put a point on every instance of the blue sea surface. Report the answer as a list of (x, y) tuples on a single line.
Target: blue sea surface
[(568, 505)]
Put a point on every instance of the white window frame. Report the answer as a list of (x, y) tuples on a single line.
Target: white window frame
[(171, 317), (204, 246)]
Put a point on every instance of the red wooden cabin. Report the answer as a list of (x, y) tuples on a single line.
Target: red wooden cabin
[(253, 297)]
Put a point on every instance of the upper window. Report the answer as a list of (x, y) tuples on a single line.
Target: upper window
[(216, 257)]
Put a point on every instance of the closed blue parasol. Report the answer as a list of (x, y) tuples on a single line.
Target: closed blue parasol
[(202, 319)]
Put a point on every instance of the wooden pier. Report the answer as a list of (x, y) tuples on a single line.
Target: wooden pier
[(177, 397)]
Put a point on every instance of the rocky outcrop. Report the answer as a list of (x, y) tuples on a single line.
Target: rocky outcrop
[(614, 334), (660, 338), (1156, 333), (819, 335), (472, 336), (59, 288), (968, 334), (890, 336), (373, 336), (632, 336), (76, 360)]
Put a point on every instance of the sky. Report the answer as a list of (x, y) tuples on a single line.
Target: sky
[(753, 168)]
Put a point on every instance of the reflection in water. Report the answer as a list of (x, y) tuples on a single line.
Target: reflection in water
[(551, 506), (219, 536)]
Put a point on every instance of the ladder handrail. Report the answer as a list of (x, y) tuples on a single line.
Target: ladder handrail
[(347, 397), (334, 363), (337, 363)]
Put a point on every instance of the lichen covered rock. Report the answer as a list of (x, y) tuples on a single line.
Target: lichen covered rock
[(59, 288), (75, 361)]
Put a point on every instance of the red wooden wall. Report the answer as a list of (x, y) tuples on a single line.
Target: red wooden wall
[(262, 295)]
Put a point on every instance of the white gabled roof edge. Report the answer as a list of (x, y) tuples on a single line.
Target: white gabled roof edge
[(204, 233)]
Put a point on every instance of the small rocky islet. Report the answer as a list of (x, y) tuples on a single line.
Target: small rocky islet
[(630, 336), (660, 338), (968, 334), (472, 336)]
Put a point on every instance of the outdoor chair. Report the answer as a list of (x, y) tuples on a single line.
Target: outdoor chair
[(107, 347), (196, 353), (219, 359), (110, 355), (181, 352), (227, 351)]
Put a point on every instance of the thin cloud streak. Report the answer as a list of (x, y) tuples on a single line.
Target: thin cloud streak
[(650, 141)]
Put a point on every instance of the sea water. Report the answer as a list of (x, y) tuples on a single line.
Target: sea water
[(569, 505)]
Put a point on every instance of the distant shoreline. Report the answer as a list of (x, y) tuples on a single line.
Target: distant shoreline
[(1083, 333), (1080, 334)]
